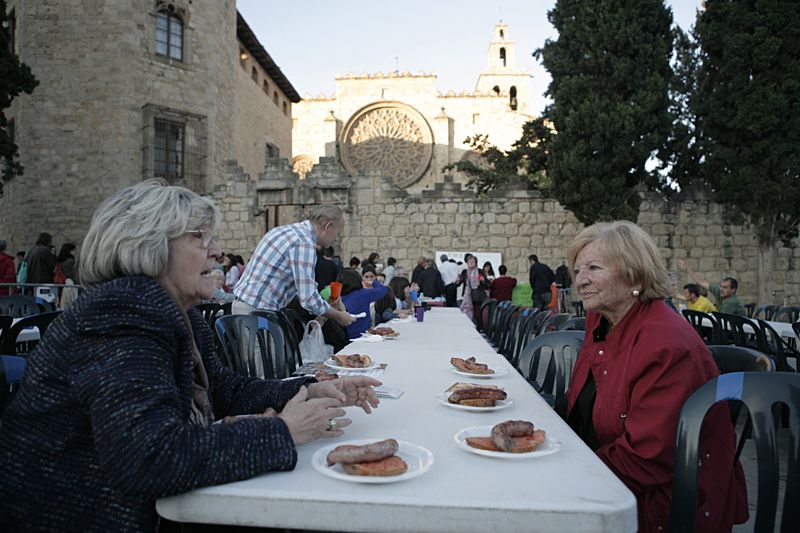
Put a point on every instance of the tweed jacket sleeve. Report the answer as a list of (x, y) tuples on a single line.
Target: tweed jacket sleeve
[(133, 378)]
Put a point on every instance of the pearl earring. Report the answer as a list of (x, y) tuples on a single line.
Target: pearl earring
[(635, 293)]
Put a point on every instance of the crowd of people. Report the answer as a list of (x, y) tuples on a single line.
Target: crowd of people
[(119, 399)]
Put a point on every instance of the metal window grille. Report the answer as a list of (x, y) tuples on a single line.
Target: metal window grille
[(168, 150), (175, 146)]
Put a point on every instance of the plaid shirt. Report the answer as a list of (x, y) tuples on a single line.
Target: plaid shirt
[(281, 268)]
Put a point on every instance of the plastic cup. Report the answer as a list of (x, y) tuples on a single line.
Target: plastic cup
[(336, 290), (420, 311)]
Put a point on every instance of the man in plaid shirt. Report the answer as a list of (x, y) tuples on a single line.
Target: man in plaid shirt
[(282, 267)]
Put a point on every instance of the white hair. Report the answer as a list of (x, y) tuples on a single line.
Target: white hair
[(319, 215), (130, 231)]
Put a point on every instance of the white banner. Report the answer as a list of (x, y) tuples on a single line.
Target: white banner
[(494, 258)]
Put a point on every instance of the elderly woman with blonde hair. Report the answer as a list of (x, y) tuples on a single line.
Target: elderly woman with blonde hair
[(639, 363), (118, 399)]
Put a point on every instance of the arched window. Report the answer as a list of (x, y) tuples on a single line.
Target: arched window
[(502, 34), (169, 34), (285, 109), (512, 94), (496, 90), (254, 74), (265, 86), (503, 56), (275, 97)]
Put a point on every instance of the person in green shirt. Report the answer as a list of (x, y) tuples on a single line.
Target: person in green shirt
[(724, 292)]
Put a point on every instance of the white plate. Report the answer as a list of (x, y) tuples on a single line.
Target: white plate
[(498, 372), (330, 363), (548, 447), (499, 404), (419, 461), (386, 337)]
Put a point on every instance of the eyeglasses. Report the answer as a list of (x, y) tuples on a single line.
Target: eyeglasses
[(206, 236)]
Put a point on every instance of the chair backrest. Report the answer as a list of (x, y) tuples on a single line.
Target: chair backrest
[(245, 345), (18, 306), (519, 323), (796, 328), (554, 323), (8, 346), (750, 309), (738, 330), (285, 358), (508, 339), (486, 313), (547, 362), (576, 323), (703, 323), (503, 325), (761, 392), (773, 344), (731, 358), (787, 314), (295, 329), (527, 328), (209, 311), (528, 331), (767, 312)]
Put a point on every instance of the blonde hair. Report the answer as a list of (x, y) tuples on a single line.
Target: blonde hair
[(130, 231), (629, 249)]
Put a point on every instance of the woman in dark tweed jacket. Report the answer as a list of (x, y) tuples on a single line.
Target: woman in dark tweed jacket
[(117, 401)]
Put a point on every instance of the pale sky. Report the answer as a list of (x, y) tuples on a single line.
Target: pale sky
[(314, 40)]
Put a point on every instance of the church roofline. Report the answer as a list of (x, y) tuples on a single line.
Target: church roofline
[(249, 39), (380, 75)]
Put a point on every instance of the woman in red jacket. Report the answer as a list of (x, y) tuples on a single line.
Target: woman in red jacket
[(639, 363)]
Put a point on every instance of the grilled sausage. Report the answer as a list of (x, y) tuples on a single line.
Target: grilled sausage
[(349, 454), (477, 393), (503, 433)]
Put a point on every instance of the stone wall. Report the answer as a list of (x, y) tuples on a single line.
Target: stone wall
[(518, 222), (259, 118)]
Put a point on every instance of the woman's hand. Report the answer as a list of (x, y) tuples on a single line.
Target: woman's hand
[(310, 419), (355, 390)]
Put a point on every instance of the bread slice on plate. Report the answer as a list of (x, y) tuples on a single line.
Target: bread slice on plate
[(390, 466)]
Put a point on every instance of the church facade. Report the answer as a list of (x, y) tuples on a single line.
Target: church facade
[(400, 124)]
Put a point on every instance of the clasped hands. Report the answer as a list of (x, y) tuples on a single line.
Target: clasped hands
[(310, 412)]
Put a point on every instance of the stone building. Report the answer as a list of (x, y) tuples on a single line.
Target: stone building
[(401, 125), (132, 89)]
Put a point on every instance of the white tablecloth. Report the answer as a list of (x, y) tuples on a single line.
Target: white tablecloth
[(571, 490)]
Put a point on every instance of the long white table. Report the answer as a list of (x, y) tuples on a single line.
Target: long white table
[(571, 490)]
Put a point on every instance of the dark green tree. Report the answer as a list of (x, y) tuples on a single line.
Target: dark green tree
[(15, 78), (682, 154), (749, 102), (495, 168), (610, 70)]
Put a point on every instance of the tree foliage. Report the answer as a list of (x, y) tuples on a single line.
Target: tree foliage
[(610, 79), (749, 102), (495, 168), (15, 78), (682, 153)]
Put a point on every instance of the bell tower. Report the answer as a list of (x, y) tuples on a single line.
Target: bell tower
[(502, 51), (501, 77)]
